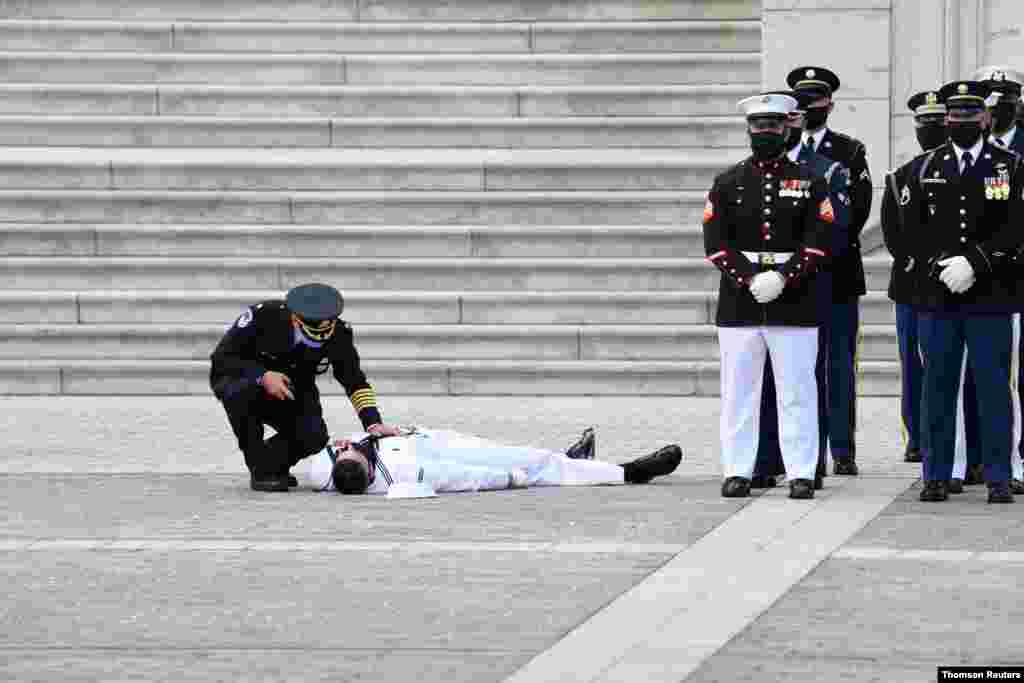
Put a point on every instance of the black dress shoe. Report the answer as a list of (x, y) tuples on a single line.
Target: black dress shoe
[(585, 448), (955, 485), (999, 492), (663, 461), (845, 466), (761, 482), (736, 487), (975, 475), (292, 481), (934, 491), (912, 455), (801, 489), (268, 482), (1016, 486)]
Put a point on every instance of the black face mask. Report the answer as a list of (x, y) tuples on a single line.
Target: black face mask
[(964, 134), (1002, 117), (931, 136), (793, 136), (767, 146), (816, 117)]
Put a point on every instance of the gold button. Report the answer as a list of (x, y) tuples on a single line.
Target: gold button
[(768, 176), (767, 197), (963, 239), (767, 212), (767, 235), (766, 225), (963, 212)]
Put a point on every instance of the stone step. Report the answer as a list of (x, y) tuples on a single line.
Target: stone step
[(430, 69), (345, 208), (383, 307), (661, 132), (251, 170), (519, 378), (373, 101), (355, 241), (407, 342), (378, 10), (552, 274), (388, 37)]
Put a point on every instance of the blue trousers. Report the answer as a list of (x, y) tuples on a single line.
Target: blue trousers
[(844, 328), (910, 374), (989, 342)]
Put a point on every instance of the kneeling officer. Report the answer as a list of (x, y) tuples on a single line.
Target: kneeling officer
[(264, 373)]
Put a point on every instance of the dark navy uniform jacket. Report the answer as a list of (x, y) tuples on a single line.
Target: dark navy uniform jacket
[(896, 212), (768, 207), (837, 177), (848, 280), (263, 338), (977, 216)]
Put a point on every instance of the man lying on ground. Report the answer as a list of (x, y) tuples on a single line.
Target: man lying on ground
[(444, 461)]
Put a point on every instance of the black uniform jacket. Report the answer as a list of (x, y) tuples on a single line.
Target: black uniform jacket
[(263, 338), (977, 216), (848, 281), (896, 211), (778, 206)]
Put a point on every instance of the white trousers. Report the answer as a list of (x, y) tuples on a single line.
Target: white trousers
[(793, 352), (960, 446)]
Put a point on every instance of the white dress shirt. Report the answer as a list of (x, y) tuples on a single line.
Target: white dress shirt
[(975, 153), (815, 137)]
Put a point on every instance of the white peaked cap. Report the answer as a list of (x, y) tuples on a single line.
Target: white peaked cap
[(759, 105)]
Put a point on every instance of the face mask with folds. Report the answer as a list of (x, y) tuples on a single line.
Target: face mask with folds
[(1003, 116), (931, 135), (767, 145), (964, 134), (816, 117)]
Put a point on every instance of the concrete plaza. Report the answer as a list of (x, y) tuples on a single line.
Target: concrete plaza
[(134, 550)]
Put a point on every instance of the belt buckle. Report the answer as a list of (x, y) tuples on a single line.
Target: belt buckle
[(765, 259)]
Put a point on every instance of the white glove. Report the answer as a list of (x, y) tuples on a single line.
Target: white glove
[(958, 275), (767, 286)]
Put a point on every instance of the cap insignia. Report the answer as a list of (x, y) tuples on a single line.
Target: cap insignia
[(962, 89), (810, 73)]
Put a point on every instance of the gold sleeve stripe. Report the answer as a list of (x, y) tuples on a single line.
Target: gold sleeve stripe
[(364, 398)]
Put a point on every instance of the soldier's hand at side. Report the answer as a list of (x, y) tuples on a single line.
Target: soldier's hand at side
[(384, 430), (277, 385), (957, 274)]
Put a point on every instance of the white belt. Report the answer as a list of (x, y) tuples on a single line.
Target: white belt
[(767, 258)]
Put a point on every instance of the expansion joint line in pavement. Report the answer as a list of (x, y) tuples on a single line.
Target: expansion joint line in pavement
[(677, 617)]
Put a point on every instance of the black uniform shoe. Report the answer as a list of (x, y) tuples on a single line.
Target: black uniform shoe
[(268, 482), (801, 489), (975, 475), (999, 492), (1016, 486), (585, 448), (845, 466), (763, 482), (912, 455), (663, 461), (934, 491), (736, 487), (292, 481), (955, 485)]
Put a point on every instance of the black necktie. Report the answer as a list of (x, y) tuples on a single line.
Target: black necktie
[(967, 159)]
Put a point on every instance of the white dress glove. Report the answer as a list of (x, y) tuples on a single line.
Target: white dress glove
[(958, 275), (767, 286)]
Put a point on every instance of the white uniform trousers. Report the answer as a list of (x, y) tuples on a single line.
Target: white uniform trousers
[(960, 447), (793, 352)]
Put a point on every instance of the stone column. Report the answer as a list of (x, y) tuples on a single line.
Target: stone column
[(853, 39)]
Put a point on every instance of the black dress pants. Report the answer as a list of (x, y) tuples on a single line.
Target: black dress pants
[(299, 423)]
